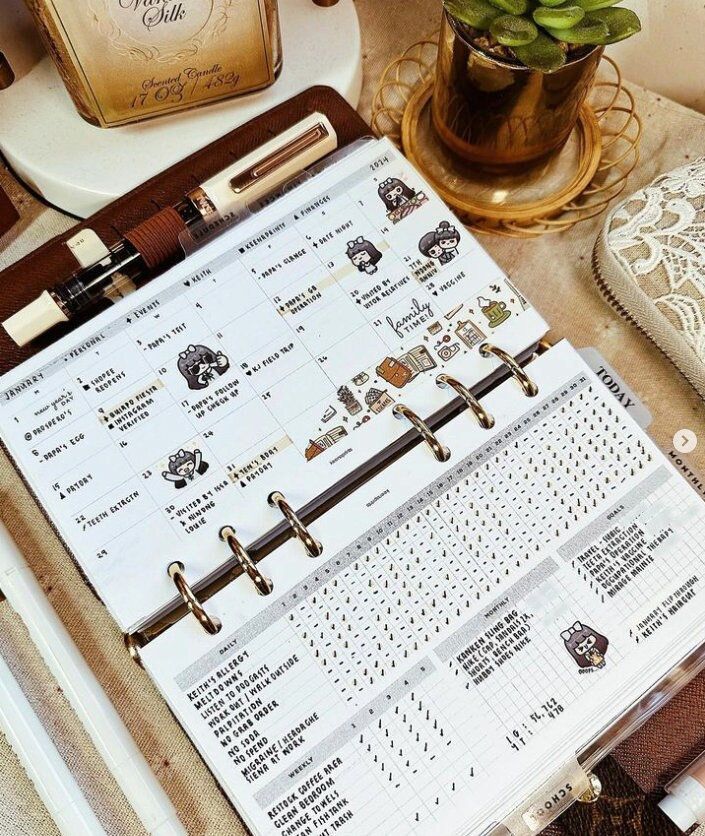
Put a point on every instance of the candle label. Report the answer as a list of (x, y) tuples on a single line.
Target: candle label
[(136, 58)]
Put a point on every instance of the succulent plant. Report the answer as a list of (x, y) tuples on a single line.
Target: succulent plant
[(541, 33)]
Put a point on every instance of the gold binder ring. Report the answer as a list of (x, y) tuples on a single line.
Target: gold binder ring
[(440, 451), (312, 546), (484, 419), (133, 647), (526, 383), (594, 790), (176, 573), (263, 584)]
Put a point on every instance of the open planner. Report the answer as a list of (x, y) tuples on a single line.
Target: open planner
[(476, 571)]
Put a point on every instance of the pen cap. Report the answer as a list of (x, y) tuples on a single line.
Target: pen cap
[(678, 812), (271, 165), (34, 319), (685, 802)]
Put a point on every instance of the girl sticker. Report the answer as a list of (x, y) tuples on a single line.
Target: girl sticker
[(184, 466), (364, 255), (394, 193), (200, 366), (441, 244), (585, 645), (399, 199)]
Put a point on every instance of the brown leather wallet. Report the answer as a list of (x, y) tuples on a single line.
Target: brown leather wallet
[(8, 214)]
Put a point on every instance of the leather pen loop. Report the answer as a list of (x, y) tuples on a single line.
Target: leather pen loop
[(484, 419), (440, 451), (526, 383), (262, 584), (312, 546)]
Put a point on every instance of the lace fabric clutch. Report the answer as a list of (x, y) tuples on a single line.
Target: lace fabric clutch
[(649, 262)]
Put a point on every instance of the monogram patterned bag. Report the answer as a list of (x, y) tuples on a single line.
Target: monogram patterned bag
[(649, 262)]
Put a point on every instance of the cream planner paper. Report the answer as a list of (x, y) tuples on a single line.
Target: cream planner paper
[(267, 361), (470, 626)]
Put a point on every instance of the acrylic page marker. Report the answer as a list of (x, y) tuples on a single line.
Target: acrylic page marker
[(158, 239)]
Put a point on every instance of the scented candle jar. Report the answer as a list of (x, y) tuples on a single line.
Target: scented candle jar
[(127, 60)]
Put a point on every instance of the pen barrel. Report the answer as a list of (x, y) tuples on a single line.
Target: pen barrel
[(83, 691), (41, 761), (99, 281)]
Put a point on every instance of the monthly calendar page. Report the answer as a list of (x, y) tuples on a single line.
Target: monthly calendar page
[(470, 625), (270, 360)]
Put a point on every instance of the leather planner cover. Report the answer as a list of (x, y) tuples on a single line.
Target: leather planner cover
[(651, 756), (8, 214)]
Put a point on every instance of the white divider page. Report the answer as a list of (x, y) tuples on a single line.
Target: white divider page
[(469, 626)]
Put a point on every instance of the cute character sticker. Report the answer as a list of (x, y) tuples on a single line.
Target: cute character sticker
[(441, 244), (364, 255), (585, 645), (200, 366), (395, 193), (399, 199), (184, 467)]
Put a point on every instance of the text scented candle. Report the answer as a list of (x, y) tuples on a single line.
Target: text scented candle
[(126, 60)]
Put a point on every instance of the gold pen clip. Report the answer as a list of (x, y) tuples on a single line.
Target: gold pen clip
[(265, 169), (272, 162)]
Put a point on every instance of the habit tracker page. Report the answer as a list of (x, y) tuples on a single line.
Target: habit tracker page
[(270, 360), (470, 627)]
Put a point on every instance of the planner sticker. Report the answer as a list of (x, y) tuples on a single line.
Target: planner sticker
[(364, 255), (495, 311), (184, 467), (200, 366), (395, 193), (399, 199), (585, 645), (442, 243)]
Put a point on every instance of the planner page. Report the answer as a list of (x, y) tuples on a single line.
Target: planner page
[(270, 360), (470, 626)]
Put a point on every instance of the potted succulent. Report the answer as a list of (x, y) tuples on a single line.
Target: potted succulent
[(512, 75)]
